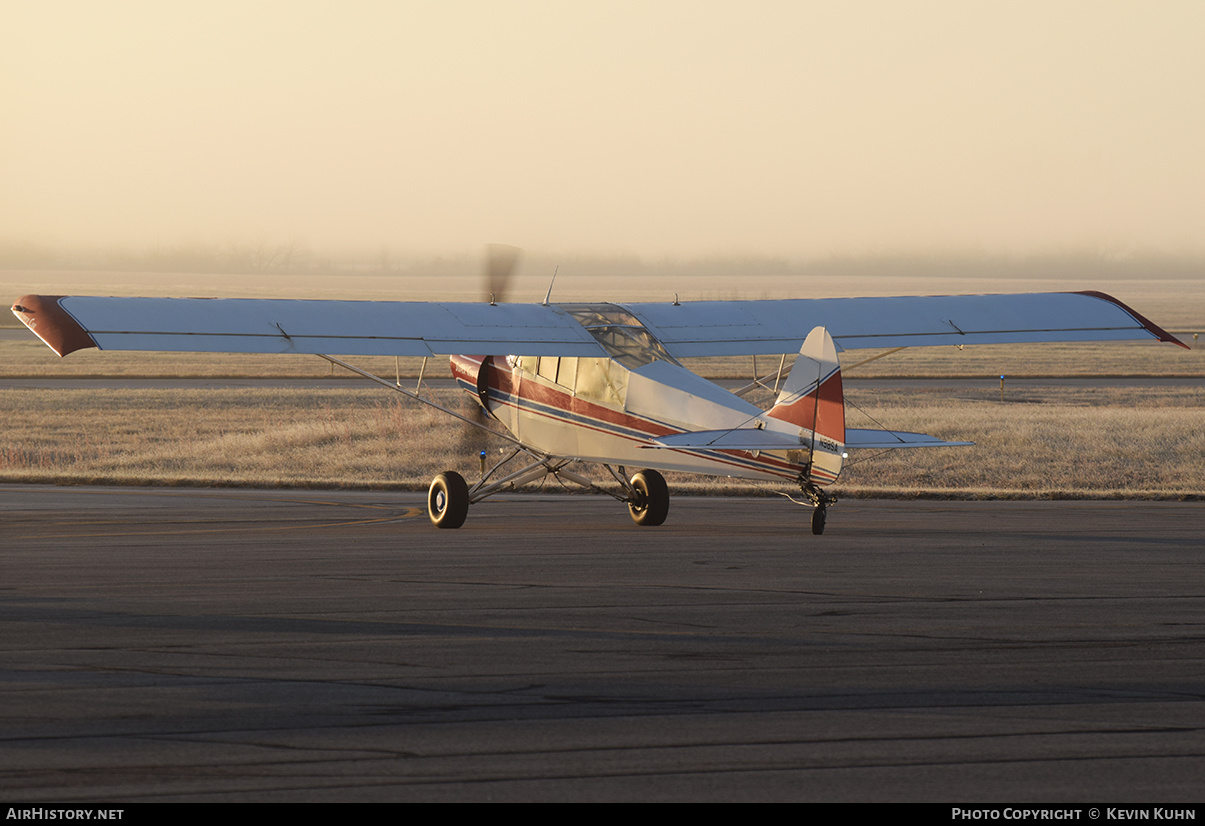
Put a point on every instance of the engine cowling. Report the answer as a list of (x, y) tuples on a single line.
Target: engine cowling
[(473, 374)]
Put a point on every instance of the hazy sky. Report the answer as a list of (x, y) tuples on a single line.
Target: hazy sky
[(652, 127)]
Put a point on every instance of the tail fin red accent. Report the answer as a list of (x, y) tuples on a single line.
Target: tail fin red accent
[(813, 398)]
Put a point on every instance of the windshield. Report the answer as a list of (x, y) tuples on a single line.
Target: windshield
[(620, 333)]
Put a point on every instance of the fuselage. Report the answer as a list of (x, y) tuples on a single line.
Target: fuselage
[(598, 410)]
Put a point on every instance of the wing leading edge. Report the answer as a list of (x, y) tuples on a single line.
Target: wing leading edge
[(703, 328), (353, 328), (733, 328)]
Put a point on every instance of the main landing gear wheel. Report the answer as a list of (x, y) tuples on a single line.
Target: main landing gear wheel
[(651, 503), (448, 500), (818, 516)]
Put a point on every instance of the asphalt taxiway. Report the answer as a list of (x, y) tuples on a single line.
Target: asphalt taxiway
[(216, 645)]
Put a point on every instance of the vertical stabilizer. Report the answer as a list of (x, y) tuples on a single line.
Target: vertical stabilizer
[(812, 399)]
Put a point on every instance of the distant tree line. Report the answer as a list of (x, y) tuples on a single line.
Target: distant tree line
[(262, 256)]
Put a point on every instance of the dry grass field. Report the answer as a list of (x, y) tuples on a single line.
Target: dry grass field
[(1051, 442)]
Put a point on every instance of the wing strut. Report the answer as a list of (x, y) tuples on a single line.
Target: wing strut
[(412, 395)]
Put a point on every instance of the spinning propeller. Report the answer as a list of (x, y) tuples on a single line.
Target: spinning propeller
[(500, 263)]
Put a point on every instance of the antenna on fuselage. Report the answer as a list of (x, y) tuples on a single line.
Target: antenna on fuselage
[(548, 295)]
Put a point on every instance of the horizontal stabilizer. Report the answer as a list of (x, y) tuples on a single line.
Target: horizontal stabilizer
[(745, 438), (890, 439)]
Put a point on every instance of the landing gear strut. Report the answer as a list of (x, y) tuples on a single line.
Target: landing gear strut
[(448, 499), (819, 501)]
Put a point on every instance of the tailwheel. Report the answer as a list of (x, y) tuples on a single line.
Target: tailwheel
[(820, 502), (448, 500), (818, 517), (650, 504)]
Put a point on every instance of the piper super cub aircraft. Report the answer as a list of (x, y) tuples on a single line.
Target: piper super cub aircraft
[(601, 383)]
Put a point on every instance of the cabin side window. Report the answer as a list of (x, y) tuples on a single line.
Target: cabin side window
[(601, 380), (547, 367), (566, 374), (525, 363)]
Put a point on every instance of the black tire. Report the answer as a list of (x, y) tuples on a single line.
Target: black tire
[(818, 517), (448, 500), (651, 505)]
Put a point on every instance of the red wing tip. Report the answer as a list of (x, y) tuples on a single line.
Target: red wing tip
[(1151, 327), (43, 315)]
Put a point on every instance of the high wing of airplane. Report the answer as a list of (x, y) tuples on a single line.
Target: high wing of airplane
[(602, 383)]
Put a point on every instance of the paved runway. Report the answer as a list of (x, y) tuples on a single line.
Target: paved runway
[(217, 645)]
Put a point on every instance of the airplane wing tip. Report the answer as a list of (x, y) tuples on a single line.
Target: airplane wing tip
[(47, 319), (1151, 327)]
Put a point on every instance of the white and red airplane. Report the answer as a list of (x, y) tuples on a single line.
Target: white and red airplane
[(601, 383)]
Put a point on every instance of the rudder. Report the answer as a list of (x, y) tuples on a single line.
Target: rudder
[(814, 401)]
